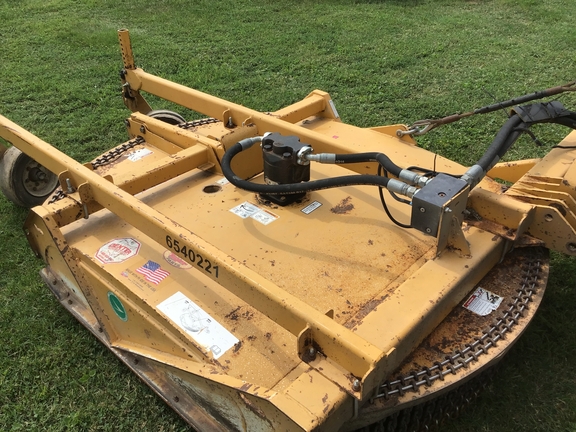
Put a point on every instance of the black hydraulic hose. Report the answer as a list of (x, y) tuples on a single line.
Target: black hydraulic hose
[(502, 142), (381, 158), (569, 121), (511, 131), (508, 134), (284, 189)]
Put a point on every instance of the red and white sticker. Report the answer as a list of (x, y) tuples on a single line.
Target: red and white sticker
[(176, 261), (482, 302), (117, 250)]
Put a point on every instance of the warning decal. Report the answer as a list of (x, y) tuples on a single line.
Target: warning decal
[(249, 210), (482, 302), (191, 318)]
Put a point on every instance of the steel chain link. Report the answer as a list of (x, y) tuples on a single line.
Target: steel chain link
[(470, 353)]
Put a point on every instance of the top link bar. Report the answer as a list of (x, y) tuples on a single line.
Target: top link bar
[(422, 127)]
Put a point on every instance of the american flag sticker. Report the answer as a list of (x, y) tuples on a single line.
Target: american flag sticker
[(152, 272)]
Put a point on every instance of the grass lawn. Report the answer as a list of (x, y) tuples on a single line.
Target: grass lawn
[(386, 61)]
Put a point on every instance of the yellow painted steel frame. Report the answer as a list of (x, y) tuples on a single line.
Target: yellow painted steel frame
[(560, 235), (355, 358)]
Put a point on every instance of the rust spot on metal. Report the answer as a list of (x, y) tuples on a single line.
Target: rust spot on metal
[(343, 207), (234, 314), (268, 336), (365, 310), (325, 398), (245, 387), (254, 408)]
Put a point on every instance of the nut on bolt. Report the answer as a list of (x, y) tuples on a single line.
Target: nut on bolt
[(311, 353)]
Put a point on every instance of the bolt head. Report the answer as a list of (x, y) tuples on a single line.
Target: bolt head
[(142, 129), (422, 210), (356, 385)]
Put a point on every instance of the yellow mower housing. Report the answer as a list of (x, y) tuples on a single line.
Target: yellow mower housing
[(250, 309)]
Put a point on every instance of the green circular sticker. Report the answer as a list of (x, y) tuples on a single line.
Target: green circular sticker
[(117, 306)]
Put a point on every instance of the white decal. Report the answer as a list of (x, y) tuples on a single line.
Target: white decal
[(311, 207), (139, 154), (223, 181), (482, 302), (248, 210), (117, 250), (191, 318)]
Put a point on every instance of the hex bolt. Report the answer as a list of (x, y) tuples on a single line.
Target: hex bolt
[(142, 129), (356, 385)]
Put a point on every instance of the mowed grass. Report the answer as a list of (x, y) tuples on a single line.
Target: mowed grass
[(383, 62)]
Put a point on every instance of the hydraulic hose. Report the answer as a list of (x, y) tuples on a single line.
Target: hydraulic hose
[(511, 131), (381, 158), (293, 188), (505, 137)]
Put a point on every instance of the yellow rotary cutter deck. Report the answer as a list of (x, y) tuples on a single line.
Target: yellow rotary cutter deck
[(244, 267)]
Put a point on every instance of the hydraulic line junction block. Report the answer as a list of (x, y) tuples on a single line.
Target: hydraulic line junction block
[(283, 164), (443, 195)]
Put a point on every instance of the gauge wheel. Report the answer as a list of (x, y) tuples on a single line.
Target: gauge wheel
[(23, 180), (167, 116)]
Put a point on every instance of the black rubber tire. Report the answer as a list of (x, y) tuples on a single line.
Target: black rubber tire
[(167, 116), (23, 180)]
